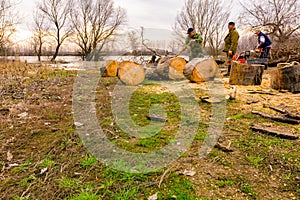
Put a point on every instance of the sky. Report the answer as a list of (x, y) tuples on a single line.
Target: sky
[(153, 14)]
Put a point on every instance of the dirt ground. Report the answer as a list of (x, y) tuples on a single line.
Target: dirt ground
[(42, 157)]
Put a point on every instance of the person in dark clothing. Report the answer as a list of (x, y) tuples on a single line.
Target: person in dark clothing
[(194, 41), (264, 44), (231, 44)]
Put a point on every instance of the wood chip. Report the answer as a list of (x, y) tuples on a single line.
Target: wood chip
[(9, 156)]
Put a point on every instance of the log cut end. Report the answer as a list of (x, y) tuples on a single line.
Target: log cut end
[(131, 73), (201, 70), (111, 69), (176, 68)]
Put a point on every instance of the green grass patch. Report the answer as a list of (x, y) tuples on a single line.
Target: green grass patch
[(88, 161), (255, 161)]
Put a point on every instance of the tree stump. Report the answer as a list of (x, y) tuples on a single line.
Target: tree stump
[(201, 70), (111, 69), (246, 74), (131, 73), (286, 77)]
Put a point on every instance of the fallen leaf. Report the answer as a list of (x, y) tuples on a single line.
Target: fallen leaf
[(9, 156), (153, 197)]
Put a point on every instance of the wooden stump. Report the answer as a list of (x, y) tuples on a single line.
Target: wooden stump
[(286, 77), (131, 73), (201, 70), (246, 74), (111, 69)]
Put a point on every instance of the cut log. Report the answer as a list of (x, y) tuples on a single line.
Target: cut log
[(275, 132), (111, 69), (286, 77), (201, 70), (167, 69), (278, 118), (246, 74), (131, 73), (176, 67)]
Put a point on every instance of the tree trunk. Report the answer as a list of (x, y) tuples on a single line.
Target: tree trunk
[(131, 73), (286, 77), (246, 74), (201, 70), (56, 52)]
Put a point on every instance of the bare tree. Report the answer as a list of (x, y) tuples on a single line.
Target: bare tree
[(40, 33), (57, 13), (207, 17), (133, 39), (95, 22), (279, 18), (7, 22)]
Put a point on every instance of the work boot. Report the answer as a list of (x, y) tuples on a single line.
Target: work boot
[(228, 71)]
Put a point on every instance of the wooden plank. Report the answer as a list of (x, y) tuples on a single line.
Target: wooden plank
[(278, 118), (275, 132)]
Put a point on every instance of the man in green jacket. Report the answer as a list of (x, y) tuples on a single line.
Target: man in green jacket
[(194, 40), (231, 44)]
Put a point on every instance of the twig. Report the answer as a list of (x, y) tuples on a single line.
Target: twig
[(144, 44), (163, 176)]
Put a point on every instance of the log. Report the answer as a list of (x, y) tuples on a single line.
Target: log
[(111, 69), (167, 69), (176, 67), (131, 73), (246, 74), (286, 77), (275, 132), (278, 118), (201, 70)]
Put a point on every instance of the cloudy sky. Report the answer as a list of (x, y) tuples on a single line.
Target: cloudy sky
[(157, 14), (148, 13)]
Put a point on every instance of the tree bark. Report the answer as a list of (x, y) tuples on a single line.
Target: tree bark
[(274, 132), (246, 74), (286, 77), (278, 118)]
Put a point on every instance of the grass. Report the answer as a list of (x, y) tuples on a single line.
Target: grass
[(73, 173), (255, 161)]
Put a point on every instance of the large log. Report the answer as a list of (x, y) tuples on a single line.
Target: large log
[(286, 77), (176, 67), (167, 69), (246, 74), (131, 73), (111, 69), (201, 70)]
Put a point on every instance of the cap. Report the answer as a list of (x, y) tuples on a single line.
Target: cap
[(231, 24), (190, 30)]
